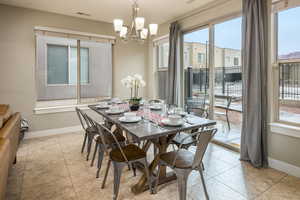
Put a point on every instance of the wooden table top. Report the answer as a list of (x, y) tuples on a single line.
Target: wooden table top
[(147, 130)]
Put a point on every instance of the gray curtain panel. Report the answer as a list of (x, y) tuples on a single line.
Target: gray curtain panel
[(174, 64), (255, 53), (162, 84)]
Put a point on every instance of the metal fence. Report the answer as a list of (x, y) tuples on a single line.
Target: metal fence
[(289, 81), (228, 81)]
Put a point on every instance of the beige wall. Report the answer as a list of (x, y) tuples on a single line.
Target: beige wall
[(280, 147), (17, 61)]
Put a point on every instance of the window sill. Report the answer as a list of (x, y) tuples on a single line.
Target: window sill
[(284, 129), (59, 109), (162, 69)]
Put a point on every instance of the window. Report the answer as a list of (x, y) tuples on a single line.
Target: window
[(57, 71), (201, 58), (212, 80), (161, 59), (84, 65), (163, 55), (288, 55), (62, 65), (236, 61), (228, 80), (57, 62), (196, 72)]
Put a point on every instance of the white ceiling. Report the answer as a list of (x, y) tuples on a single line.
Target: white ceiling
[(155, 11)]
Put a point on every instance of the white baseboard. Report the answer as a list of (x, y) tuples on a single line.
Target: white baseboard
[(285, 167), (49, 132)]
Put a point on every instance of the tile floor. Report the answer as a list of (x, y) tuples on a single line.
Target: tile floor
[(53, 168)]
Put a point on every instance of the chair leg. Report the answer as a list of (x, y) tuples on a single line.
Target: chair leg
[(90, 141), (84, 142), (133, 169), (182, 177), (154, 150), (149, 179), (106, 173), (157, 178), (100, 160), (228, 121), (94, 154), (203, 184), (117, 178)]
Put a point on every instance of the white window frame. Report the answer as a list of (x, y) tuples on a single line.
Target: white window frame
[(277, 125)]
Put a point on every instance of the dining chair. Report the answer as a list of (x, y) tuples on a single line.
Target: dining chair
[(90, 131), (185, 140), (226, 107), (183, 162), (198, 105), (121, 156), (100, 146)]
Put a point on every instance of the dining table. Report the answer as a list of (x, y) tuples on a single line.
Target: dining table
[(152, 131)]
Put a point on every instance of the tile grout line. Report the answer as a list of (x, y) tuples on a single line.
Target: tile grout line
[(243, 195), (260, 193), (272, 186)]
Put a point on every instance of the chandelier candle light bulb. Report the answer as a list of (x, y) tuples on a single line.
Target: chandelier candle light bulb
[(118, 24), (139, 23), (153, 28), (123, 32), (144, 33)]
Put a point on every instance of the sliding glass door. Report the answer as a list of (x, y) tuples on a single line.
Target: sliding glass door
[(228, 80), (213, 76), (196, 70)]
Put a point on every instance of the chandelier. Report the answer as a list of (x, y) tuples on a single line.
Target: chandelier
[(136, 31)]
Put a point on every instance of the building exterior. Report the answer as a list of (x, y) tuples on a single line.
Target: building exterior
[(196, 55)]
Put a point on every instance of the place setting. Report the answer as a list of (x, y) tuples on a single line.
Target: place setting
[(130, 117), (156, 106), (115, 110), (102, 105), (173, 121)]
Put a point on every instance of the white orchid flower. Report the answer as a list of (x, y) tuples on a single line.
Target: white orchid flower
[(143, 83), (138, 77)]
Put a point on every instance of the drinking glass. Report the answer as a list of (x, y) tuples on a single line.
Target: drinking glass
[(146, 111)]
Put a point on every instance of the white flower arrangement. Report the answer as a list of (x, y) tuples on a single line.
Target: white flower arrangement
[(134, 83)]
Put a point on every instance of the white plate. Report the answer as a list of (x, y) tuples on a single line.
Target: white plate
[(114, 112), (116, 102), (155, 108), (167, 122), (135, 119), (102, 107)]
